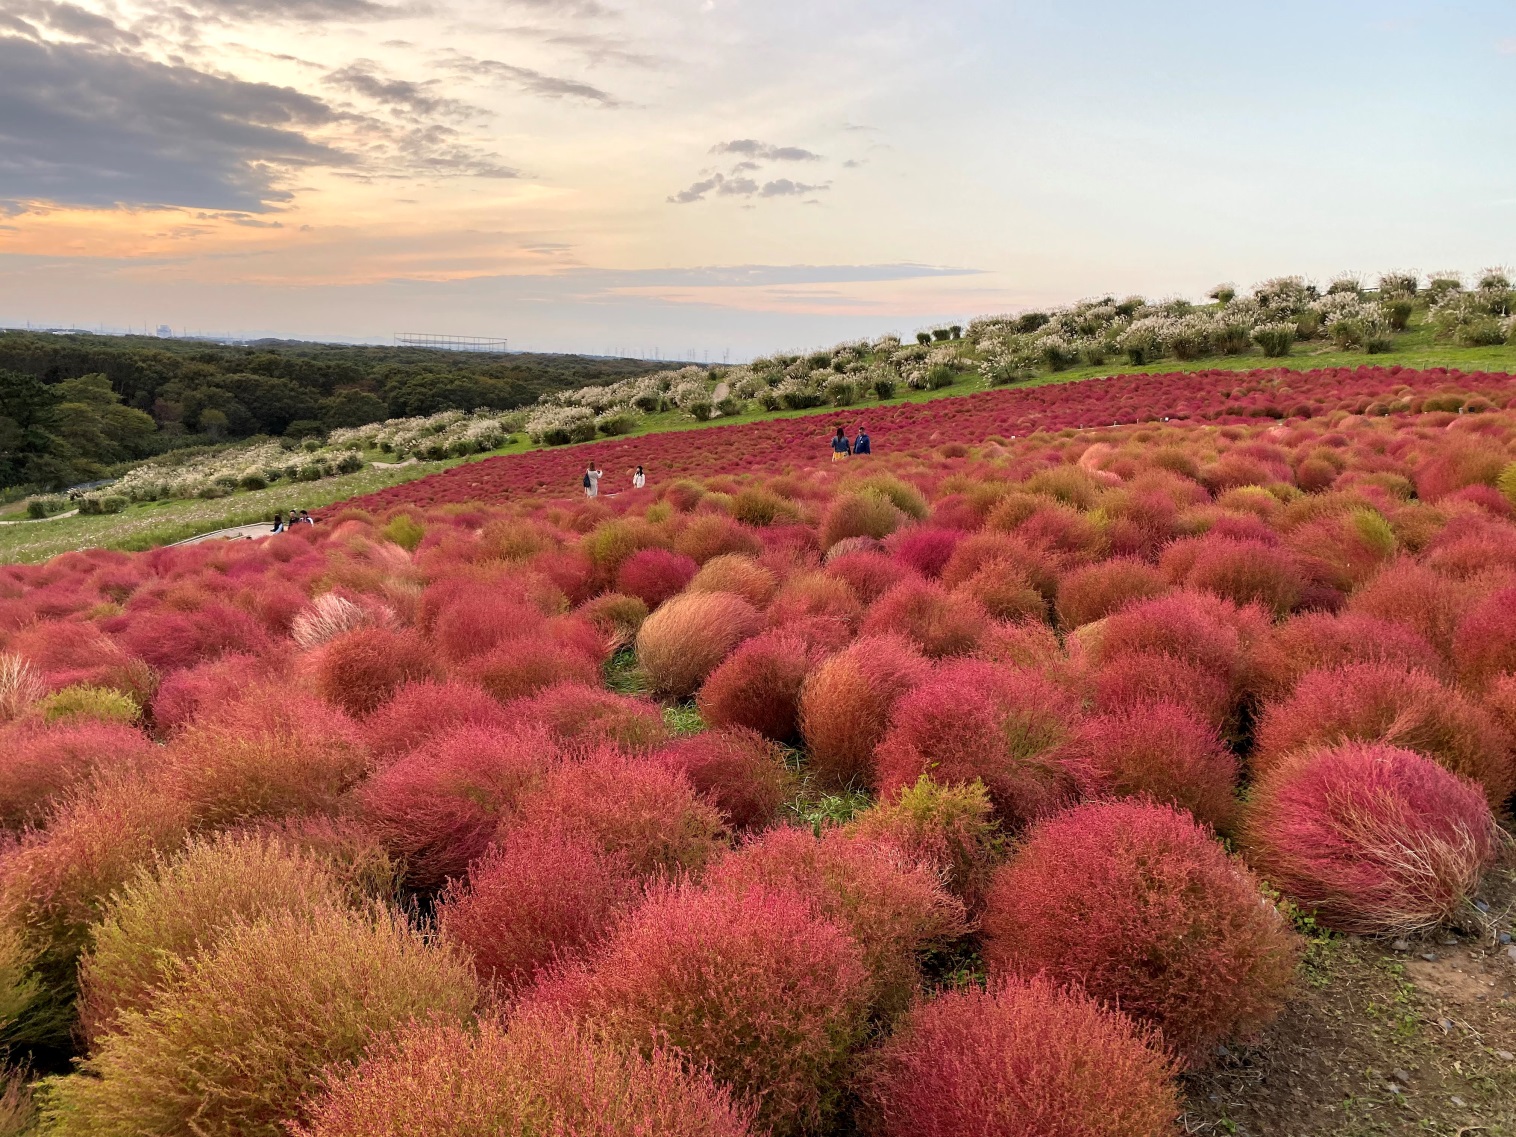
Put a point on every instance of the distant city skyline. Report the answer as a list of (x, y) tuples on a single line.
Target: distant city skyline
[(724, 176)]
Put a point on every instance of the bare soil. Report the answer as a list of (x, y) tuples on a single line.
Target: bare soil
[(1385, 1037)]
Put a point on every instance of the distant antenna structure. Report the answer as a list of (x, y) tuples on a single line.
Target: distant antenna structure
[(450, 343)]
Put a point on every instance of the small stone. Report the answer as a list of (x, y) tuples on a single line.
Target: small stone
[(1431, 956), (1401, 1076), (1394, 1089), (1445, 1024), (1481, 905), (1223, 1052), (1456, 1100), (1505, 937), (1449, 941), (1400, 945), (1505, 1056), (1511, 952)]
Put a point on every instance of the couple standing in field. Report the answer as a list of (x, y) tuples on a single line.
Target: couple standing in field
[(593, 474), (842, 446)]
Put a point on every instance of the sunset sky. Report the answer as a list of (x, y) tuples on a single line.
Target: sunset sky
[(723, 176)]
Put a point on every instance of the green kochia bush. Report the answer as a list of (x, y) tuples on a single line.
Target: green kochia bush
[(242, 1037)]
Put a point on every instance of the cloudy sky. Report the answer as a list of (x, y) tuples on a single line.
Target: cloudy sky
[(727, 175)]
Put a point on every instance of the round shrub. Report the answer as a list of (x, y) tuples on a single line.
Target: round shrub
[(538, 898), (266, 756), (1185, 625), (360, 670), (976, 721), (846, 702), (1141, 907), (758, 685), (615, 617), (524, 667), (573, 712), (437, 808), (245, 1034), (1003, 591), (1383, 703), (1411, 594), (38, 763), (1372, 838), (179, 908), (740, 575), (687, 638), (941, 623), (1247, 572), (1160, 751), (1095, 591), (750, 985), (1484, 646), (869, 574), (1022, 1059), (858, 515), (472, 621), (184, 695), (973, 553), (926, 549), (737, 770), (710, 535), (1315, 641), (895, 910), (815, 596), (542, 1075), (949, 828), (422, 710), (655, 575), (634, 807), (170, 639), (82, 703), (1140, 678)]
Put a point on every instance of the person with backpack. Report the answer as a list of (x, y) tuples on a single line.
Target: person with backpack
[(592, 481), (841, 447)]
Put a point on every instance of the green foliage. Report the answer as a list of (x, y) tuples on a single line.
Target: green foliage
[(683, 719), (85, 702), (404, 530), (39, 507)]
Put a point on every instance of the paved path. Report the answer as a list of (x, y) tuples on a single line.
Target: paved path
[(241, 532), (34, 520)]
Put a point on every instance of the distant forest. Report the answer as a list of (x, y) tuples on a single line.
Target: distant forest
[(72, 406)]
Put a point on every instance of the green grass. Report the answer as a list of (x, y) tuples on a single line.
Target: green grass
[(161, 523)]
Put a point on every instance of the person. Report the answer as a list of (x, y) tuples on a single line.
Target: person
[(592, 478), (639, 479), (861, 444), (841, 448), (278, 523), (306, 518)]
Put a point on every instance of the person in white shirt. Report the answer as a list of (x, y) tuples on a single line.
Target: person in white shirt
[(639, 479), (592, 478)]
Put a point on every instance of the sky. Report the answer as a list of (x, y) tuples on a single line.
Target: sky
[(723, 178)]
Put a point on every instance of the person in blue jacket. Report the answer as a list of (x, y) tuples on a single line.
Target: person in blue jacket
[(861, 441)]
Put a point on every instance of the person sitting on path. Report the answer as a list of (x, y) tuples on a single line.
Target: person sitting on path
[(278, 523), (841, 448), (861, 443), (592, 478)]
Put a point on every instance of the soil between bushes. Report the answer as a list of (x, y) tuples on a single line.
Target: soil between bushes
[(1382, 1041)]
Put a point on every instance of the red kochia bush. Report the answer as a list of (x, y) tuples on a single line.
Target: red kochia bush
[(419, 711), (869, 574), (758, 685), (1157, 750), (1376, 702), (438, 807), (737, 770), (655, 575), (1095, 591), (1023, 1059), (1316, 640), (975, 720), (538, 898), (1145, 910), (169, 639), (1374, 839), (926, 549), (845, 705), (1247, 572), (1186, 625), (359, 670), (540, 1076), (1138, 678), (1484, 645), (941, 623), (750, 985), (524, 667), (814, 595), (894, 909), (634, 807), (37, 763), (573, 712), (184, 695), (1408, 593), (687, 638), (477, 622)]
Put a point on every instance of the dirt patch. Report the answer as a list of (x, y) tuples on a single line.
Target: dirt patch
[(1412, 1037)]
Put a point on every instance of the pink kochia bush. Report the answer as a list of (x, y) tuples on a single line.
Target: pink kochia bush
[(1021, 1059), (1157, 750), (1142, 908), (1374, 839), (655, 575), (974, 720), (577, 713), (438, 808), (539, 898), (541, 1075), (1372, 702), (751, 985), (758, 686), (38, 763), (938, 622), (359, 670), (738, 771), (688, 637)]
